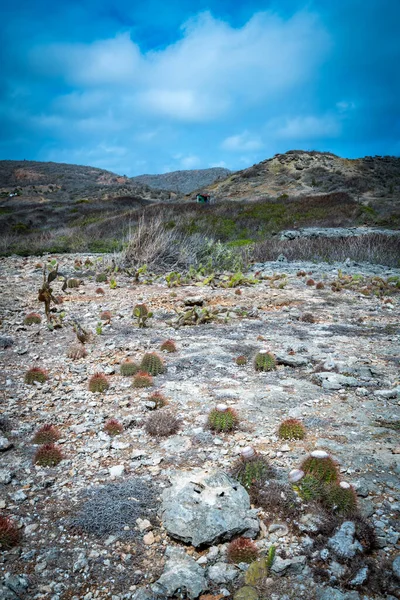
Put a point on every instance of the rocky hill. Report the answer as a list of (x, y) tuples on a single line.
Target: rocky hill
[(313, 173), (183, 182)]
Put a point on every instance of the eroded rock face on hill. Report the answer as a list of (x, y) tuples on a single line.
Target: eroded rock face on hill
[(337, 366)]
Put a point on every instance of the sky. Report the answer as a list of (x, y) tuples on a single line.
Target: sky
[(155, 86)]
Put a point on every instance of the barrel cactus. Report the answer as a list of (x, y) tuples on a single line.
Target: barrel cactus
[(142, 380), (222, 418), (98, 383), (264, 361), (48, 455), (152, 363), (32, 319), (129, 368), (35, 374), (251, 467), (321, 466), (291, 429), (46, 435), (340, 498), (242, 550)]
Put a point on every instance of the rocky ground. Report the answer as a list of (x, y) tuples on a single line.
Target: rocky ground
[(101, 523)]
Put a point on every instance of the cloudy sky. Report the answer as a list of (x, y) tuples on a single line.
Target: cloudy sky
[(155, 86)]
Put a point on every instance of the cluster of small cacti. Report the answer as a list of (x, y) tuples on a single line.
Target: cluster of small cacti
[(142, 314), (32, 319), (113, 427), (73, 283), (291, 429), (10, 535), (35, 374), (264, 361), (98, 383), (251, 467), (241, 360), (242, 550), (129, 368), (153, 364), (223, 418), (142, 380), (47, 434), (48, 455), (77, 351), (318, 480), (168, 346)]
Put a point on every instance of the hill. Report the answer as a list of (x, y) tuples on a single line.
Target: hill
[(58, 207), (183, 182), (298, 173)]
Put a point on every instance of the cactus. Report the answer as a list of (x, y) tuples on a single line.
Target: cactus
[(340, 498), (291, 429), (159, 400), (142, 380), (32, 319), (98, 383), (264, 361), (142, 314), (260, 569), (241, 360), (77, 351), (321, 466), (36, 374), (248, 470), (113, 427), (242, 550), (310, 282), (106, 316), (225, 419), (129, 368), (10, 536), (309, 488), (152, 363), (45, 293), (48, 455), (73, 283), (100, 291), (320, 286), (307, 318), (168, 346), (46, 435), (101, 277)]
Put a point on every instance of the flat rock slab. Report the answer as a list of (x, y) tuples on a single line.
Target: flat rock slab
[(203, 508)]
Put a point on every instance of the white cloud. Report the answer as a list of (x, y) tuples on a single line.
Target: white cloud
[(242, 142), (307, 128), (212, 71)]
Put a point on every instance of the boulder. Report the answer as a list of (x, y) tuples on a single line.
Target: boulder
[(181, 574), (203, 508)]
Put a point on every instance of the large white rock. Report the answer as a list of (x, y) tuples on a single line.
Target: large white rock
[(203, 508)]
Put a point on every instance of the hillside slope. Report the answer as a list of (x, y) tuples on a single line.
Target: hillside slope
[(183, 182), (306, 173)]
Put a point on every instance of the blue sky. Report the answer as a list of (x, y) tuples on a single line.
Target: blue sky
[(155, 86)]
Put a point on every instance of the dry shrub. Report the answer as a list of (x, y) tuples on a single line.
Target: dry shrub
[(375, 248), (77, 351), (162, 423)]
